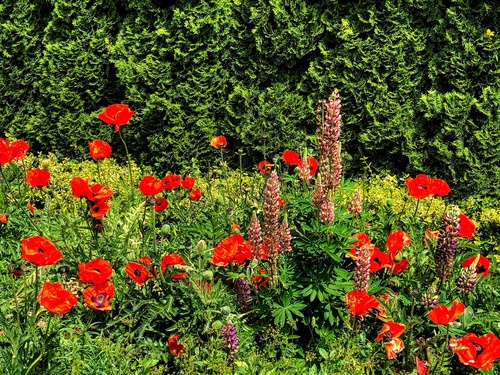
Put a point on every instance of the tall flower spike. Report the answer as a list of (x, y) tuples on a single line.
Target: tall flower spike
[(447, 243), (230, 340), (467, 280), (271, 214), (328, 134), (286, 237), (243, 294), (356, 205), (362, 270), (327, 209), (255, 236)]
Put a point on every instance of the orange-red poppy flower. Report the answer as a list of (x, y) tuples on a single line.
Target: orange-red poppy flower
[(173, 260), (441, 315), (393, 347), (99, 150), (37, 177), (260, 281), (99, 296), (390, 330), (188, 182), (281, 202), (6, 152), (175, 348), (218, 142), (161, 204), (80, 188), (172, 181), (291, 157), (421, 366), (419, 187), (482, 266), (396, 241), (231, 249), (378, 259), (39, 251), (476, 351), (116, 114), (195, 194), (100, 193), (265, 167), (150, 186), (99, 209), (137, 272), (56, 299), (96, 271), (3, 218), (398, 267), (359, 303), (467, 227), (19, 149), (440, 187), (31, 207)]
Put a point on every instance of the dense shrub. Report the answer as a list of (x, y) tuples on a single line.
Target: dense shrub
[(418, 78)]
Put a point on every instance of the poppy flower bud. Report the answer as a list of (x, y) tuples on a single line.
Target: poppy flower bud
[(45, 164), (208, 275), (201, 245), (217, 324), (165, 229), (225, 310)]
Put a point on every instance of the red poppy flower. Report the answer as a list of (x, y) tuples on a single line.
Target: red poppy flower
[(31, 207), (195, 194), (39, 251), (441, 315), (467, 227), (265, 167), (291, 157), (38, 177), (231, 249), (393, 347), (476, 351), (398, 267), (100, 193), (56, 299), (173, 260), (175, 348), (96, 271), (99, 296), (440, 187), (390, 330), (3, 218), (482, 265), (99, 150), (359, 303), (378, 260), (161, 204), (6, 152), (80, 188), (421, 366), (116, 114), (137, 272), (281, 202), (150, 186), (19, 149), (260, 281), (172, 181), (390, 333), (396, 241), (218, 142), (419, 187), (99, 209), (188, 182)]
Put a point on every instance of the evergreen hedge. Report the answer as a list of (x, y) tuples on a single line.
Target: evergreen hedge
[(419, 80)]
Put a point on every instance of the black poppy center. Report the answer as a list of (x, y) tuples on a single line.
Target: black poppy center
[(479, 348), (137, 272), (387, 336), (99, 299), (40, 250)]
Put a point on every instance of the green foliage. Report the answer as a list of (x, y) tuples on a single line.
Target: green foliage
[(418, 79)]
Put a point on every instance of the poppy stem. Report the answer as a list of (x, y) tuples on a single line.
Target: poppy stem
[(36, 295), (128, 160)]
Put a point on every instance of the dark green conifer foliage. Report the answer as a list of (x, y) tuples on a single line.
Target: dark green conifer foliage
[(419, 80)]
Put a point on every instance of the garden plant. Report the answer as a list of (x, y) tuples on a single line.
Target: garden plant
[(110, 268)]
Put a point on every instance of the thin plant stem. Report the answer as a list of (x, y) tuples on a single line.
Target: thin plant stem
[(129, 162)]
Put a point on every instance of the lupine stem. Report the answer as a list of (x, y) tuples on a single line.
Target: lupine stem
[(128, 160)]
